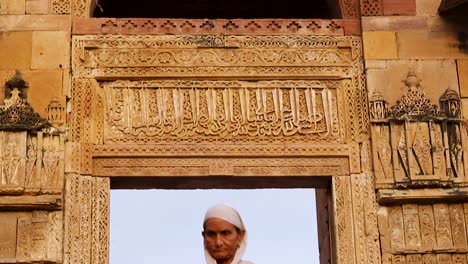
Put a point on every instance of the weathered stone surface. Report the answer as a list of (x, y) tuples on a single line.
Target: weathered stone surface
[(12, 7), (462, 67), (16, 50), (66, 84), (436, 76), (376, 64), (43, 86), (7, 237), (465, 108), (394, 23), (50, 50), (35, 22), (37, 7), (437, 23), (429, 45), (379, 45), (399, 7), (427, 7)]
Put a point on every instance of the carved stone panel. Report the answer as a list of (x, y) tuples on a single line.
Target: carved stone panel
[(12, 161), (32, 163), (27, 237), (292, 94), (214, 56), (222, 111), (416, 230), (416, 142)]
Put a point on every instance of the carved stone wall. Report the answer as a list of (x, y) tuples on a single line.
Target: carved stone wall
[(419, 162), (149, 105), (31, 181)]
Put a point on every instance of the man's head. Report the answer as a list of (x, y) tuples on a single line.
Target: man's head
[(223, 234)]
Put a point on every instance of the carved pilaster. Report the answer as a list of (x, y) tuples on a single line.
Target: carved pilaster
[(345, 251), (87, 115), (86, 219)]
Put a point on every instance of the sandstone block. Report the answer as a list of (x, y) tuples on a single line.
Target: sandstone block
[(465, 109), (375, 64), (399, 7), (462, 68), (50, 50), (427, 7), (429, 45), (37, 6), (15, 50), (43, 87), (35, 23), (8, 228), (379, 45), (66, 83), (436, 77), (394, 23), (12, 7)]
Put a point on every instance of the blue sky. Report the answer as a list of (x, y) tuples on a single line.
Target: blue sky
[(164, 226)]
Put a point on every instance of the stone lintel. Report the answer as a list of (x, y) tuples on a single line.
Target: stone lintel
[(30, 202)]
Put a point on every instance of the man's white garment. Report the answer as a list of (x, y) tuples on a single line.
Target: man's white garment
[(229, 214)]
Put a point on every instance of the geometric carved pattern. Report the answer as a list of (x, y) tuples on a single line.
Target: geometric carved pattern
[(371, 8), (60, 7), (159, 26)]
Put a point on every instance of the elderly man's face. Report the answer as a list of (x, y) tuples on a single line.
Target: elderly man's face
[(221, 239)]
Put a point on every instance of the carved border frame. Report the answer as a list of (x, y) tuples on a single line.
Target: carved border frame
[(91, 162)]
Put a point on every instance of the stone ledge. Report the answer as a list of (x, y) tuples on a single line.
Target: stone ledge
[(29, 202), (432, 195)]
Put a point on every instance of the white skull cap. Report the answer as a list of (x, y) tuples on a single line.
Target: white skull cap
[(226, 213)]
